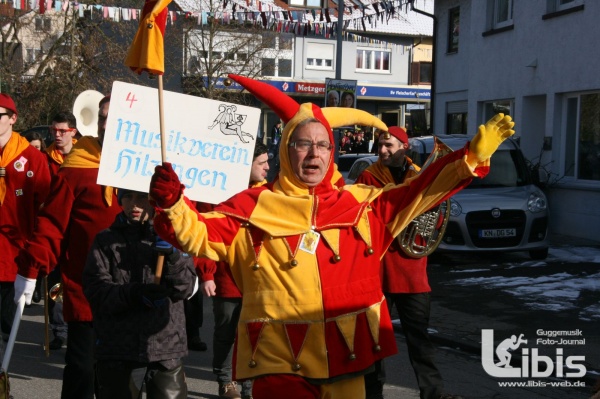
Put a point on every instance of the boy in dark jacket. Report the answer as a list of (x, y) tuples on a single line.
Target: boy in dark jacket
[(139, 325)]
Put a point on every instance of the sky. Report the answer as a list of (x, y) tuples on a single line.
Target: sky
[(554, 292)]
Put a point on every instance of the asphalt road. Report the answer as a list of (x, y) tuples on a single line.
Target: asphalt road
[(512, 295)]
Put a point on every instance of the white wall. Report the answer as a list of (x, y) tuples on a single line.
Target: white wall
[(495, 67)]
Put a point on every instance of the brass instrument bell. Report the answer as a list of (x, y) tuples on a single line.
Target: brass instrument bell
[(56, 293)]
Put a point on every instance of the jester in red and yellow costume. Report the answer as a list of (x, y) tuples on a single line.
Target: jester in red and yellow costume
[(306, 254)]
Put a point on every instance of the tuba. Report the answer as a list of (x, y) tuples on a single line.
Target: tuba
[(425, 232), (86, 110)]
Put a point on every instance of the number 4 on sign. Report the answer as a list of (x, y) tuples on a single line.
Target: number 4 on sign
[(131, 98)]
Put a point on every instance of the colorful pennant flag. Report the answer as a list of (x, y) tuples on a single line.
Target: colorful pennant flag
[(147, 52)]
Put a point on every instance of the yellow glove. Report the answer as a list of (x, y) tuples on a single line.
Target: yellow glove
[(488, 138)]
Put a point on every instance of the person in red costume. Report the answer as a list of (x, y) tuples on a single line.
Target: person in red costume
[(64, 130), (404, 278), (216, 282), (24, 185), (306, 254), (75, 211)]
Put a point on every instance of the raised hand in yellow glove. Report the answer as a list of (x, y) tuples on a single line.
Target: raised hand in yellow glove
[(488, 138)]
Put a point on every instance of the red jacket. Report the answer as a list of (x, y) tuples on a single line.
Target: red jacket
[(74, 213), (53, 165), (399, 272), (220, 272), (27, 183), (55, 157)]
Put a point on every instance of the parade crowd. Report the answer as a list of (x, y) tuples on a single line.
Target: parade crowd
[(302, 271)]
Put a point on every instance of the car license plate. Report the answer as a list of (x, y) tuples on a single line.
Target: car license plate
[(497, 233)]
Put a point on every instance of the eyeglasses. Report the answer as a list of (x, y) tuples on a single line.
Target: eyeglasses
[(61, 132), (4, 113), (305, 145)]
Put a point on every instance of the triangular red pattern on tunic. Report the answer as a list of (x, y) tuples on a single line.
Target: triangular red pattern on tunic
[(296, 335), (257, 239), (292, 242), (254, 329)]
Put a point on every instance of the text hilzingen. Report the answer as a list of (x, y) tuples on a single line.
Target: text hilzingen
[(140, 158)]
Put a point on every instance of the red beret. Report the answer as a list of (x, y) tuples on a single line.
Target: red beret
[(399, 133), (8, 103)]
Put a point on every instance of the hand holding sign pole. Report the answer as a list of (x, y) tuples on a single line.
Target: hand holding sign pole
[(147, 53)]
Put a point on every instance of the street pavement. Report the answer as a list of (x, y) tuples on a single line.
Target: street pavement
[(33, 375), (461, 311), (458, 317)]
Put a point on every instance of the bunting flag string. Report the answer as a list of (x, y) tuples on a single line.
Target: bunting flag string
[(315, 22)]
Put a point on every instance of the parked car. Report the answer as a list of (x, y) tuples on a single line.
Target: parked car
[(358, 166), (346, 161), (505, 211)]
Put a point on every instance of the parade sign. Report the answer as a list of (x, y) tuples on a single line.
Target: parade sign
[(340, 93), (210, 143)]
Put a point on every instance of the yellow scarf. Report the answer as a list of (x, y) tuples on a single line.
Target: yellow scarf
[(257, 184), (55, 153), (383, 174), (86, 155), (15, 145)]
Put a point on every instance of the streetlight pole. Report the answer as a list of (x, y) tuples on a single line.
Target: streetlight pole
[(338, 67), (340, 27)]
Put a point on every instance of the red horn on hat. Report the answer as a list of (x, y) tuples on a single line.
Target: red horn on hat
[(283, 105)]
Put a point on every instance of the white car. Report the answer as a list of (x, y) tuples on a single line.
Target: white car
[(505, 211)]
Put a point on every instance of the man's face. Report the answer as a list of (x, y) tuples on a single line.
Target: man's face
[(102, 117), (136, 207), (260, 167), (310, 165), (6, 123), (62, 133), (332, 100), (391, 151)]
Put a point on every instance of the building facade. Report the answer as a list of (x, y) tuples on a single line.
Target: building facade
[(534, 60), (388, 58)]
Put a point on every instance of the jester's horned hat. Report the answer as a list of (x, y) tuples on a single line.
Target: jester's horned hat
[(292, 113)]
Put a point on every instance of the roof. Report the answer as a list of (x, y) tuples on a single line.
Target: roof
[(388, 17)]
